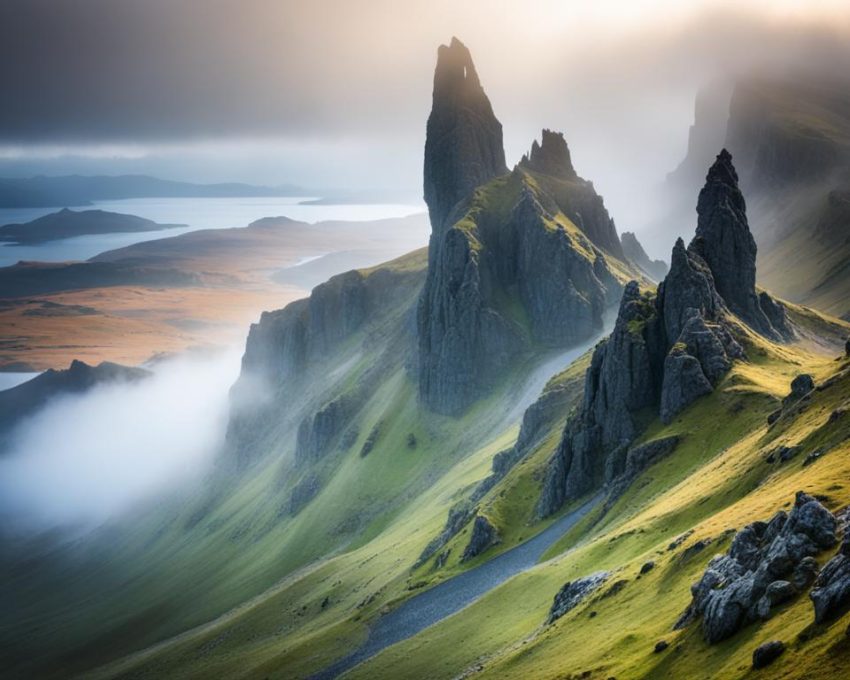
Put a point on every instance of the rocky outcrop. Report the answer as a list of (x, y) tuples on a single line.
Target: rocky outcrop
[(285, 378), (550, 157), (767, 564), (620, 472), (765, 654), (573, 592), (831, 592), (512, 275), (516, 261), (634, 253), (463, 147), (666, 350), (550, 161), (724, 241), (484, 535)]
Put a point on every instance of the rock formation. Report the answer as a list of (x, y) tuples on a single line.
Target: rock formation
[(765, 654), (634, 253), (484, 535), (724, 241), (463, 147), (667, 349), (831, 592), (767, 564), (515, 261), (284, 368), (573, 592)]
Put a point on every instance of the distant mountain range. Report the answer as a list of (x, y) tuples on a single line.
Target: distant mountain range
[(45, 192)]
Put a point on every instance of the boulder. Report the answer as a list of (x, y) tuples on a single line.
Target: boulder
[(752, 578), (831, 591), (767, 653), (573, 592)]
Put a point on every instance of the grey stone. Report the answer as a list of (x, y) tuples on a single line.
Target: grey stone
[(723, 239), (634, 252), (767, 653), (484, 536), (752, 578), (647, 567), (463, 143), (831, 591), (573, 592)]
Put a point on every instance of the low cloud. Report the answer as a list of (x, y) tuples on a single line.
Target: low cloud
[(85, 459)]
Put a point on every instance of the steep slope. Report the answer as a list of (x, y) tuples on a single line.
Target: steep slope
[(667, 349)]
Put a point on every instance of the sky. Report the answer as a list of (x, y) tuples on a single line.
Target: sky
[(334, 93)]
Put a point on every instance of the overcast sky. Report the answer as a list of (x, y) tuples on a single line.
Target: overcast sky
[(336, 93)]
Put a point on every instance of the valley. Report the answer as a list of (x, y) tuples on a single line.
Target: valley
[(502, 439)]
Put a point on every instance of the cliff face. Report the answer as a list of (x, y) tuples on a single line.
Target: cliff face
[(515, 261), (463, 147), (286, 369), (667, 349), (514, 273)]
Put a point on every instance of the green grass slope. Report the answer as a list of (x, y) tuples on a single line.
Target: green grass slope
[(716, 480)]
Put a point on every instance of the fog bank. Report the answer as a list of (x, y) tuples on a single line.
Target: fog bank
[(84, 459)]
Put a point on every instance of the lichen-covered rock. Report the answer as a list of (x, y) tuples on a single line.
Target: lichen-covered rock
[(767, 653), (831, 591), (573, 592), (747, 582), (463, 143), (621, 380), (484, 535)]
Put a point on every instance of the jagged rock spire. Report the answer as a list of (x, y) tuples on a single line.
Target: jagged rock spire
[(550, 157), (463, 146), (724, 241)]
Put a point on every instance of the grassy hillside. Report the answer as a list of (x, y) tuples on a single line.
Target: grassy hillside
[(716, 480)]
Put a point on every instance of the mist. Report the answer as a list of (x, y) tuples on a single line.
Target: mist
[(85, 459)]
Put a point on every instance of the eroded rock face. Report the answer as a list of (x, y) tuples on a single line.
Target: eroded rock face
[(550, 157), (507, 272), (573, 592), (746, 583), (286, 358), (666, 350), (724, 241), (504, 280), (463, 147), (484, 535), (831, 592)]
